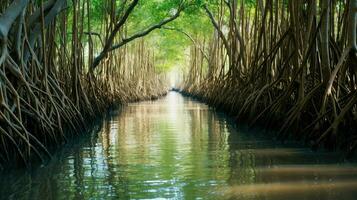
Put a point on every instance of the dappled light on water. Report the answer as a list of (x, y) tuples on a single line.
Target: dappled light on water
[(178, 148)]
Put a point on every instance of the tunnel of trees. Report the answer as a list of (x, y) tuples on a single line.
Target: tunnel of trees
[(287, 65)]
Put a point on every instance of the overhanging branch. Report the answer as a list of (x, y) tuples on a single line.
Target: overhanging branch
[(143, 33), (216, 26), (111, 37), (192, 40)]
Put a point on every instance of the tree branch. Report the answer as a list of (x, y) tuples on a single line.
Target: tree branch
[(216, 26), (145, 32), (96, 34), (135, 36), (111, 37), (188, 35), (9, 16), (34, 17), (36, 31)]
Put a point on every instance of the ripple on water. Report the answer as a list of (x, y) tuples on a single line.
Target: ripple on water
[(178, 148)]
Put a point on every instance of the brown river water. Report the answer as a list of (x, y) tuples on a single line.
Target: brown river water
[(179, 148)]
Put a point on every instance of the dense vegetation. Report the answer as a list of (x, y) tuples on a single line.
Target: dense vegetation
[(289, 65), (284, 64), (63, 63)]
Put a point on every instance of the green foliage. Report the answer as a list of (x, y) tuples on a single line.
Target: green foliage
[(169, 46)]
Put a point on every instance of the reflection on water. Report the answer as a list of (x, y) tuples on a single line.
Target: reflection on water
[(177, 148)]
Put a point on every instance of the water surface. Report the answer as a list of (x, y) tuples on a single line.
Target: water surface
[(178, 148)]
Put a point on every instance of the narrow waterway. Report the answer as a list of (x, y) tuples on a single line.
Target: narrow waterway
[(178, 148)]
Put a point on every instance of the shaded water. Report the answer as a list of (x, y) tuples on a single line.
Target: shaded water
[(177, 148)]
